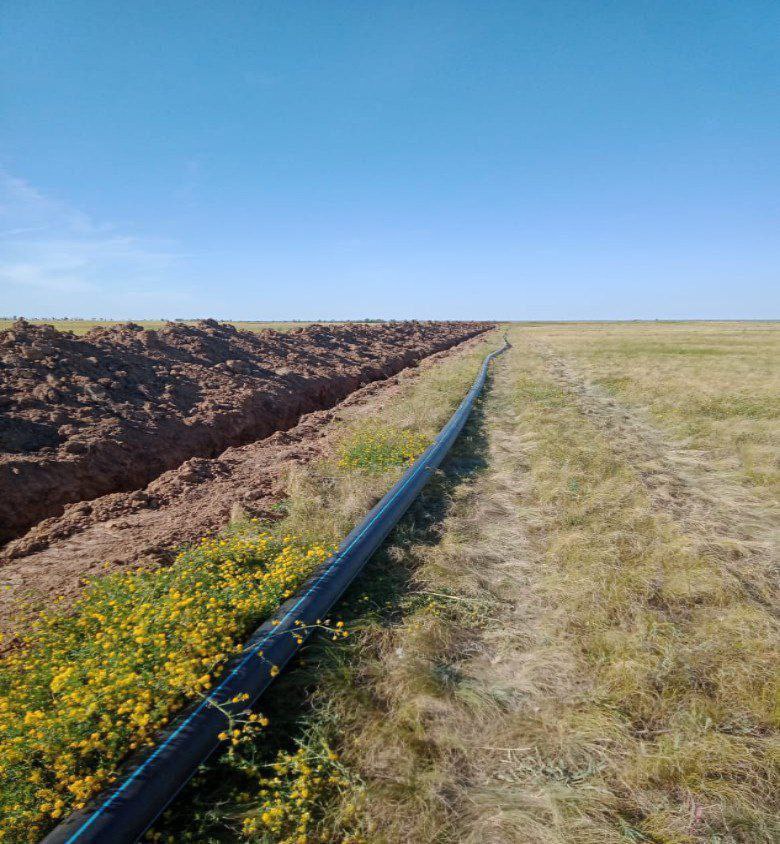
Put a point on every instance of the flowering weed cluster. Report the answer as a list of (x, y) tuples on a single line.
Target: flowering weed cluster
[(89, 685), (290, 801), (378, 447)]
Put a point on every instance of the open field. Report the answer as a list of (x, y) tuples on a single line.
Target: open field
[(329, 514), (710, 386), (570, 638)]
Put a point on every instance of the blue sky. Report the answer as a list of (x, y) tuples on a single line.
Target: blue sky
[(271, 160)]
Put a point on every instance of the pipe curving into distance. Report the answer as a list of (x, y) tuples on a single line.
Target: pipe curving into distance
[(150, 782)]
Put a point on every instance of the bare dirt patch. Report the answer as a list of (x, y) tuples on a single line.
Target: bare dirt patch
[(145, 526), (81, 417)]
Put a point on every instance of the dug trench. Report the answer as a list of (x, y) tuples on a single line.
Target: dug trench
[(82, 417), (144, 527)]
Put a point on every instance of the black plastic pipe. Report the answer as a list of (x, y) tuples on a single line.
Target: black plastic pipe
[(150, 782)]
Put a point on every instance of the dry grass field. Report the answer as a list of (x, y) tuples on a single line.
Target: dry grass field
[(713, 387), (571, 637)]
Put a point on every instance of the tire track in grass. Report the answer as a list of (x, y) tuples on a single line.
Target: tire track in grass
[(725, 519)]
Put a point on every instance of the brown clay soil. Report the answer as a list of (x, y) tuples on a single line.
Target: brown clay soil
[(108, 412), (144, 524)]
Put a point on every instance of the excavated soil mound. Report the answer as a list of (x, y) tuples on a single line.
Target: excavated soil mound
[(108, 412)]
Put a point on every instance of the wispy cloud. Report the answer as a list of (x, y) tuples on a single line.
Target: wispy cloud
[(53, 250)]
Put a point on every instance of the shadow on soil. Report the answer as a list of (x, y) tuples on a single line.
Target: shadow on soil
[(207, 811)]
